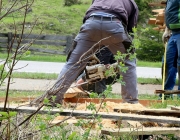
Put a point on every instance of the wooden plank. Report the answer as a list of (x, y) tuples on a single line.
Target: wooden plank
[(46, 51), (161, 18), (4, 35), (89, 114), (93, 100), (175, 108), (152, 21), (135, 124), (158, 10), (4, 40), (99, 100), (161, 27), (42, 42), (42, 37), (17, 99), (167, 91), (154, 112), (69, 121), (38, 37), (82, 100), (159, 22), (141, 131), (157, 4), (156, 28)]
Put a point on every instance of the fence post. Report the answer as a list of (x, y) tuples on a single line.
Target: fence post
[(9, 46), (69, 43)]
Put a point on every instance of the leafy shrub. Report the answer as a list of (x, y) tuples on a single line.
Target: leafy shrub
[(150, 50), (151, 47)]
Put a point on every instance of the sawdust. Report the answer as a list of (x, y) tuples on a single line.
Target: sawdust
[(110, 106), (107, 107)]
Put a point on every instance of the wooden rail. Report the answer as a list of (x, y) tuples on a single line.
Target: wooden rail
[(10, 40), (140, 131), (90, 114), (82, 100)]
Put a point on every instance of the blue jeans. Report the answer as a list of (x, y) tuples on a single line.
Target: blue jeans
[(172, 62)]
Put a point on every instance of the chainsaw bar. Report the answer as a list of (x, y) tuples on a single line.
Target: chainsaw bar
[(76, 85)]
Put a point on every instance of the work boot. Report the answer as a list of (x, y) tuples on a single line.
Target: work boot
[(178, 69)]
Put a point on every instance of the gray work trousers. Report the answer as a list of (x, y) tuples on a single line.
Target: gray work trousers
[(91, 32)]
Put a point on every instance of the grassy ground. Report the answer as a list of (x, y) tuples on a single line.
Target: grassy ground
[(47, 16), (34, 94), (53, 76), (62, 58)]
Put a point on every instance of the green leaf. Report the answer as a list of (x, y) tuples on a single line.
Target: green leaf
[(5, 114), (46, 101), (71, 137), (42, 126), (12, 114)]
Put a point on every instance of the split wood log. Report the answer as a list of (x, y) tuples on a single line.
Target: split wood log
[(75, 92), (154, 112), (89, 114), (140, 131)]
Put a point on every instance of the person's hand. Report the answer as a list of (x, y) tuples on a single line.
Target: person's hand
[(80, 81), (166, 35)]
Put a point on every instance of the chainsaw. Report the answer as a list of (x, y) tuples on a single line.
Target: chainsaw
[(97, 72)]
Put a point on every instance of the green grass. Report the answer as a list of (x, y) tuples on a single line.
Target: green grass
[(53, 76), (48, 16), (149, 64), (42, 58), (62, 58), (17, 93), (165, 104), (24, 75), (34, 94)]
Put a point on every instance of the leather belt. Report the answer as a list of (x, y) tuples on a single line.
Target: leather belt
[(103, 18)]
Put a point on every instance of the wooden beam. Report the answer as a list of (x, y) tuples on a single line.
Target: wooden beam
[(159, 22), (152, 21), (161, 27), (158, 10), (82, 100), (140, 131), (89, 114), (154, 112), (157, 4), (167, 91), (99, 100), (161, 18), (175, 108), (17, 99), (156, 28)]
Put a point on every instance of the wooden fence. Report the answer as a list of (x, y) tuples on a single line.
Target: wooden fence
[(53, 44)]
